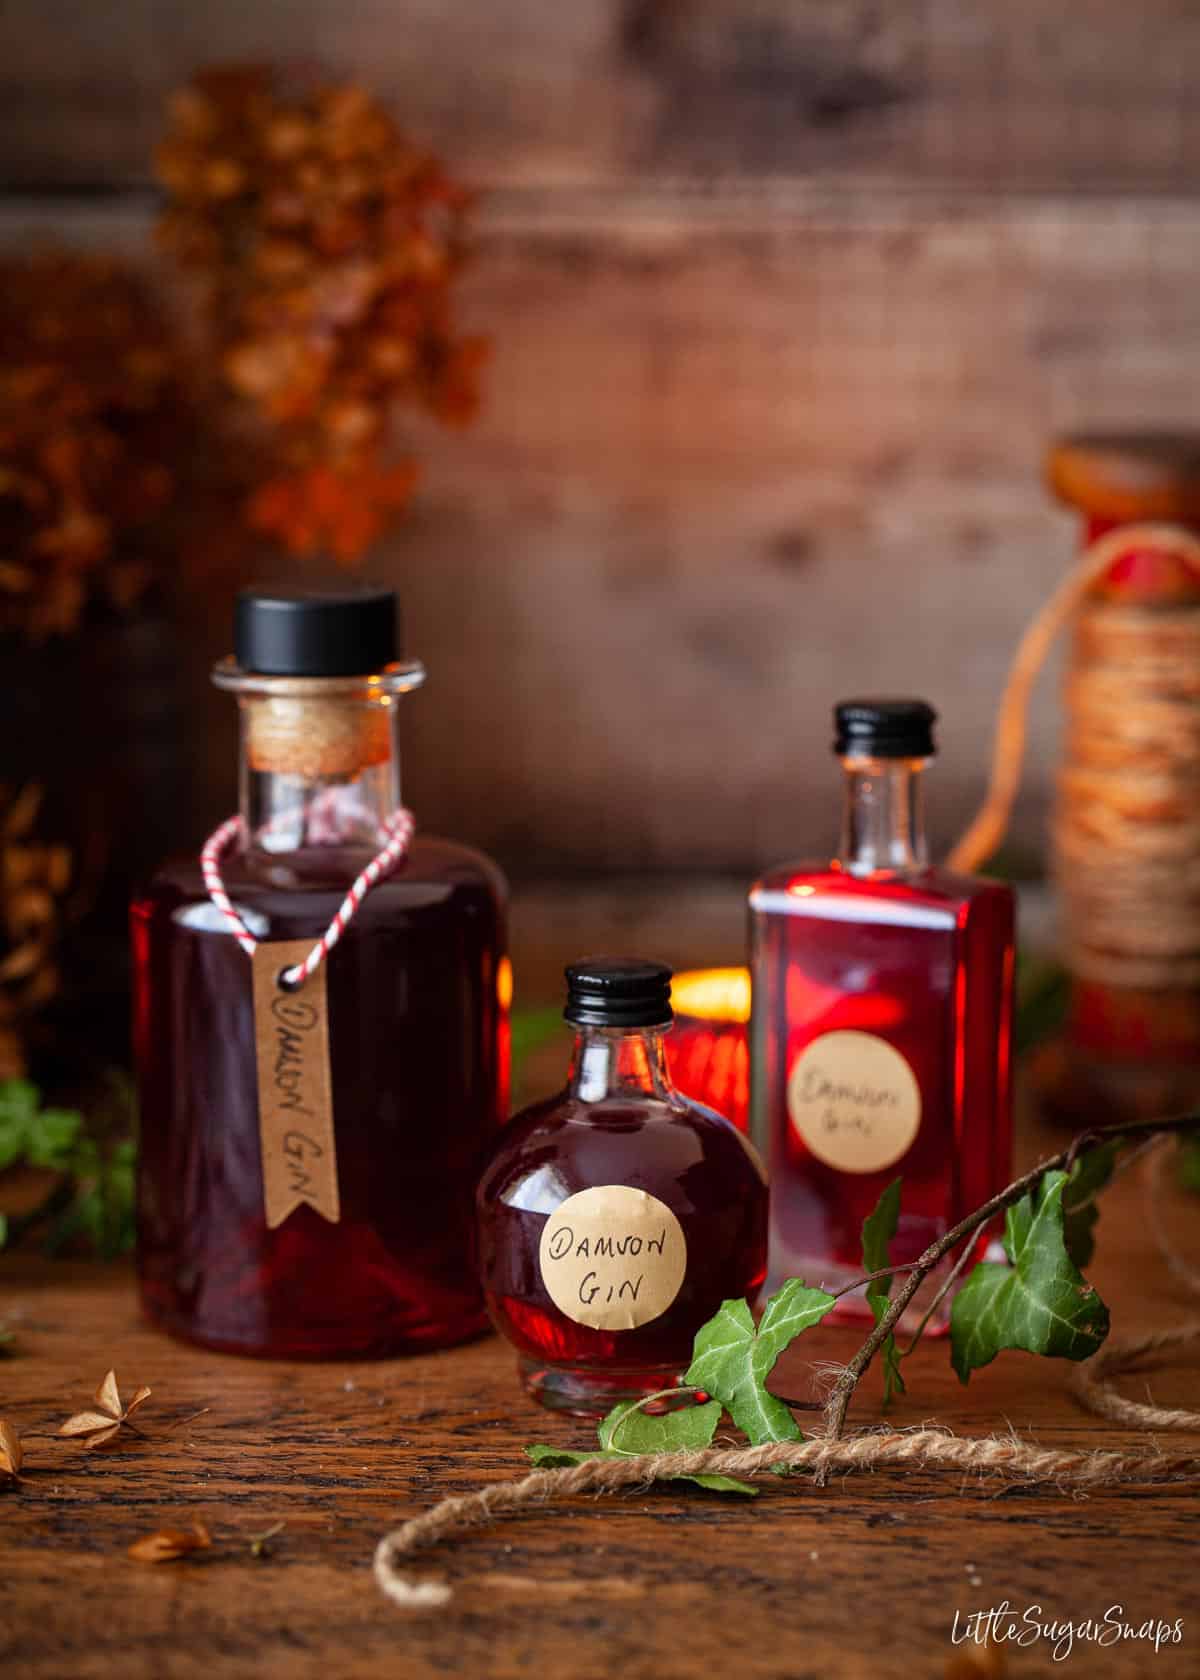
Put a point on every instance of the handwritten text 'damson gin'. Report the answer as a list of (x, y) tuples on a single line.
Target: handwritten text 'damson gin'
[(881, 1019), (615, 1218), (308, 1150)]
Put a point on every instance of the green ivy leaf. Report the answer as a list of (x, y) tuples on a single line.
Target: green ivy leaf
[(546, 1457), (529, 1030), (628, 1429), (1189, 1161), (99, 1165), (1089, 1175), (1043, 995), (45, 1137), (1041, 1302), (732, 1361), (879, 1227), (52, 1135), (18, 1105), (719, 1484), (689, 1428)]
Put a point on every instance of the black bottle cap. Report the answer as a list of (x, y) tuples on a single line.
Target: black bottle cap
[(621, 992), (334, 632), (884, 729)]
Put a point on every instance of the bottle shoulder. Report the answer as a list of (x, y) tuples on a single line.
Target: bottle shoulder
[(319, 868), (803, 888), (564, 1145), (311, 884)]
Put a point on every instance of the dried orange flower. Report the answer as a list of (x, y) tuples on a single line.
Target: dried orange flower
[(168, 1544), (105, 1423), (91, 417), (325, 246), (10, 1453)]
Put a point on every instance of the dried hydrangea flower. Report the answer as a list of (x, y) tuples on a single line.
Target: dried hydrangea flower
[(325, 246)]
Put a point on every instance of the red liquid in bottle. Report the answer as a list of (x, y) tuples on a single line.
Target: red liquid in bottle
[(418, 1053), (882, 996), (925, 964), (644, 1139)]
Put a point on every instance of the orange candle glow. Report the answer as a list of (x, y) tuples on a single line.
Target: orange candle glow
[(709, 1052)]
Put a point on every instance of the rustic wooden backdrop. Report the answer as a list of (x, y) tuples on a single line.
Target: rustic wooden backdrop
[(786, 296)]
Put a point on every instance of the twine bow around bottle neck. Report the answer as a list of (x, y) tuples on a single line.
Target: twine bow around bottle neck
[(398, 827)]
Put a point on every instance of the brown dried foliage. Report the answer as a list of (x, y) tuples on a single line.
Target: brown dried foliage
[(325, 246), (34, 878), (90, 420), (110, 1416)]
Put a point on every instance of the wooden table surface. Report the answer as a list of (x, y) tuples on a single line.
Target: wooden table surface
[(862, 1578)]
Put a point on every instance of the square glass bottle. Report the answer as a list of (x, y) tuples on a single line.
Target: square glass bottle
[(881, 1020)]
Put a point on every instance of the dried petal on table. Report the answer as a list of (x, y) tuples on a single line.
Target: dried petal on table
[(10, 1453), (165, 1545), (105, 1423)]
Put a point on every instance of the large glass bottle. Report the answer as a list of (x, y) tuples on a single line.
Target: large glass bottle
[(615, 1218), (417, 993), (881, 1019)]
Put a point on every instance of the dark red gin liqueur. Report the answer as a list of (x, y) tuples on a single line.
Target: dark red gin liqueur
[(372, 1253), (613, 1219), (881, 1019)]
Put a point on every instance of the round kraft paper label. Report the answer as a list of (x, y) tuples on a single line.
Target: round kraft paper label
[(854, 1100), (612, 1257)]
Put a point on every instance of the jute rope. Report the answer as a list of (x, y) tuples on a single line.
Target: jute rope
[(1133, 1353), (1090, 1381), (921, 1449), (1182, 1270)]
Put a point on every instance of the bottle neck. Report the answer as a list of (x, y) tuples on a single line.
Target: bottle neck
[(615, 1062), (317, 775), (883, 821), (320, 757)]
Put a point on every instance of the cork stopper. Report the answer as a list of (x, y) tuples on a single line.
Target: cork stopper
[(310, 734), (1120, 477), (318, 726)]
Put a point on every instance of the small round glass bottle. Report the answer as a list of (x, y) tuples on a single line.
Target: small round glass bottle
[(613, 1219)]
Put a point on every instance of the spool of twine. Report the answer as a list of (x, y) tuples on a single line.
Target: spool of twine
[(1126, 825)]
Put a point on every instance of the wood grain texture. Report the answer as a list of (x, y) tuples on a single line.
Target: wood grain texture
[(1025, 94), (729, 472), (726, 478), (861, 1579), (786, 300)]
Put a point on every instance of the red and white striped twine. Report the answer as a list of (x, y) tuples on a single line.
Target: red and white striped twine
[(399, 830)]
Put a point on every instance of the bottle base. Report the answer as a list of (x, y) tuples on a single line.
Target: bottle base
[(584, 1393), (318, 1345)]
